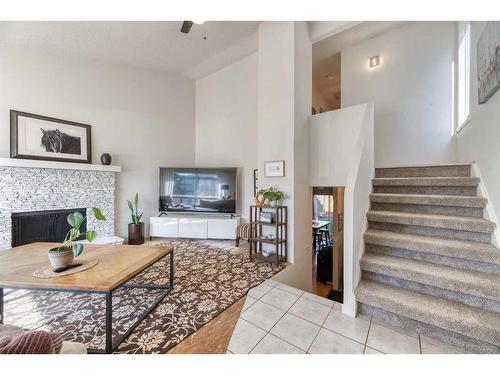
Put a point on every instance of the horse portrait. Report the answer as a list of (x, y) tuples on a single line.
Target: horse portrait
[(40, 137), (59, 142)]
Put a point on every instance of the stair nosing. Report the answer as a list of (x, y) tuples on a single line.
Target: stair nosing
[(460, 200), (452, 181), (426, 166)]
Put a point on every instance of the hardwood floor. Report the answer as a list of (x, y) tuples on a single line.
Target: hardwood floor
[(213, 337), (319, 288)]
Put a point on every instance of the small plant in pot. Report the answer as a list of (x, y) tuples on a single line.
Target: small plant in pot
[(136, 227), (62, 256), (273, 196)]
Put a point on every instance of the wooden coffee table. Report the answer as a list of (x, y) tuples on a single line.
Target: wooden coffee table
[(117, 265)]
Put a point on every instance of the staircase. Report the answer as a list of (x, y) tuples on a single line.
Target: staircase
[(429, 265)]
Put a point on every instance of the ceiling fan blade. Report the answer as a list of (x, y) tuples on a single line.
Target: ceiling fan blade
[(186, 26)]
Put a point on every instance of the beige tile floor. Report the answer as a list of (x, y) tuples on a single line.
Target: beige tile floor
[(278, 319)]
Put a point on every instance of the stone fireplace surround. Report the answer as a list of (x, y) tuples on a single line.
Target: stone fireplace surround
[(28, 185)]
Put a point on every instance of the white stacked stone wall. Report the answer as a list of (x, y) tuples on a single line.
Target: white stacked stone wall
[(38, 189)]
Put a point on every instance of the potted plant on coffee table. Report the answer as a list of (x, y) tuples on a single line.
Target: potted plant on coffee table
[(136, 227), (62, 257)]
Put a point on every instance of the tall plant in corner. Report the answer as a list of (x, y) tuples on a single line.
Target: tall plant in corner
[(136, 227)]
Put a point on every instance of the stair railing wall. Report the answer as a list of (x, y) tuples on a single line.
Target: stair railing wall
[(356, 204), (489, 211)]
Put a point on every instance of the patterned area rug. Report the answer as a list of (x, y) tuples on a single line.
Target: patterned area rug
[(207, 280)]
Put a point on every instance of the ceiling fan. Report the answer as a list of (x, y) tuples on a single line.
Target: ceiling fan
[(186, 25)]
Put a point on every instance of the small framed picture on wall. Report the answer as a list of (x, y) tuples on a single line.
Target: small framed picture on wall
[(274, 168)]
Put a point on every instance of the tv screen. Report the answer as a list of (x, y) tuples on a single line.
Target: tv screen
[(211, 190)]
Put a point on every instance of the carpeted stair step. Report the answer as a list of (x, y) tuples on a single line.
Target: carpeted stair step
[(426, 181), (432, 190), (461, 254), (425, 171), (463, 228), (431, 204), (470, 287), (431, 200), (442, 313)]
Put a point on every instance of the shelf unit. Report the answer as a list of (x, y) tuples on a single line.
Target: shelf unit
[(280, 241)]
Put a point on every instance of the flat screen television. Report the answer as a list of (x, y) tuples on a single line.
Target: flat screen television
[(204, 190)]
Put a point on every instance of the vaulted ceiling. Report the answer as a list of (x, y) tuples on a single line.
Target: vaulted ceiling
[(150, 45)]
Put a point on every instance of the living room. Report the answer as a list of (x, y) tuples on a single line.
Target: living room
[(157, 182)]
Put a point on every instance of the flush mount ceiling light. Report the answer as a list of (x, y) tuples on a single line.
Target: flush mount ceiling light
[(374, 61), (199, 22)]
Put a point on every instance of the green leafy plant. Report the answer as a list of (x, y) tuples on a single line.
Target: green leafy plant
[(272, 194), (136, 217), (76, 220)]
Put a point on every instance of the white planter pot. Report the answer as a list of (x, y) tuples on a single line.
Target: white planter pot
[(61, 259)]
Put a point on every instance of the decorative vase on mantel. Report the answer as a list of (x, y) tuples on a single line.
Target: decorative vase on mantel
[(106, 159)]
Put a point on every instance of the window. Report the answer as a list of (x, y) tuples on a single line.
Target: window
[(463, 95)]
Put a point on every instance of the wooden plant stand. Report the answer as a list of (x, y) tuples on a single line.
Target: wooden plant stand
[(280, 230)]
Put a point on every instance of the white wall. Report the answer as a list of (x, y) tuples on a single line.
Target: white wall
[(342, 154), (333, 136), (275, 111), (479, 140), (411, 91), (356, 203), (226, 124), (302, 203), (143, 119), (284, 105)]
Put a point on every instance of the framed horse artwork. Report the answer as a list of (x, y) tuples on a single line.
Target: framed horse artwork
[(46, 138)]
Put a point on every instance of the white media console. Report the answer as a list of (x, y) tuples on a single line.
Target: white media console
[(194, 226)]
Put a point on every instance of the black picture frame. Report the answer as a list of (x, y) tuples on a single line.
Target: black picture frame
[(255, 181), (266, 217), (14, 138)]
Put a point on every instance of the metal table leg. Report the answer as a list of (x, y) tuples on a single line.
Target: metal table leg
[(109, 322), (110, 344), (1, 306), (171, 279)]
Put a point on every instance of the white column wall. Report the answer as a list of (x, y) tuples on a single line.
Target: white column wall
[(284, 105)]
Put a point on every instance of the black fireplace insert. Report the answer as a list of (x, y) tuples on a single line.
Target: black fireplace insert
[(42, 226)]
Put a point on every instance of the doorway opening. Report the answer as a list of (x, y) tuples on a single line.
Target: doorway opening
[(326, 84), (328, 241)]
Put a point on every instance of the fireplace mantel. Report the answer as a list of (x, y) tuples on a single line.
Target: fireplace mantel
[(26, 163)]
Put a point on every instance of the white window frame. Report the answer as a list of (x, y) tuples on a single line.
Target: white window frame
[(463, 75)]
